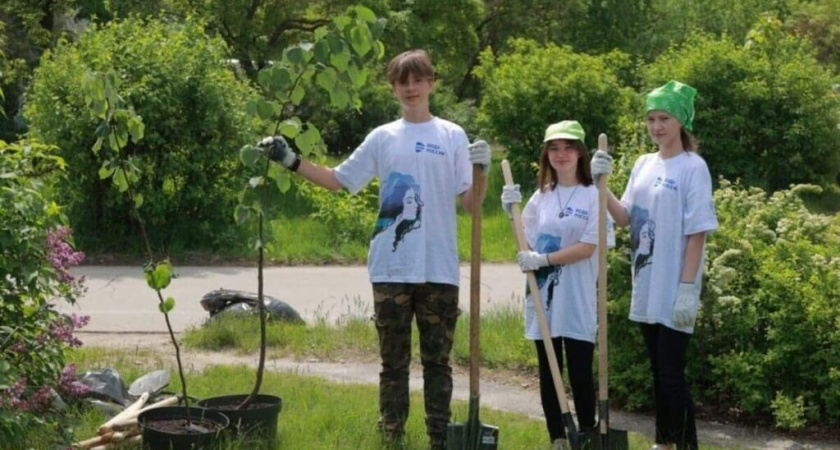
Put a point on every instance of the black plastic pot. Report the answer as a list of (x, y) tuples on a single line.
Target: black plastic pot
[(154, 439), (258, 423)]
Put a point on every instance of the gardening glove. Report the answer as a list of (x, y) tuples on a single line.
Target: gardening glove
[(278, 150), (685, 310), (531, 261), (510, 195), (480, 154), (601, 164)]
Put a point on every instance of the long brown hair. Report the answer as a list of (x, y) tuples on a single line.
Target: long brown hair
[(689, 142), (548, 177)]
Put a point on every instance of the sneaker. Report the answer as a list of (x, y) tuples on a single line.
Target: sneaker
[(662, 447)]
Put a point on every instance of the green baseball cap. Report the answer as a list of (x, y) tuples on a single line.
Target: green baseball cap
[(567, 129)]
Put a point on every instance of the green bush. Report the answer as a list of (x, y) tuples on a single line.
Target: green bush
[(193, 109), (766, 341), (532, 87), (766, 111), (35, 258)]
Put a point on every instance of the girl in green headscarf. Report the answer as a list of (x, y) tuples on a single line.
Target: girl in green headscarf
[(669, 191)]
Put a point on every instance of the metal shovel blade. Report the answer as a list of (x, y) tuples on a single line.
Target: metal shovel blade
[(472, 435), (613, 439)]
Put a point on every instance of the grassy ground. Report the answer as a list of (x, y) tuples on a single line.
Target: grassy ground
[(502, 346), (316, 414)]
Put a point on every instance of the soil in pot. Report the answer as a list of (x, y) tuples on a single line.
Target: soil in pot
[(167, 428), (258, 420)]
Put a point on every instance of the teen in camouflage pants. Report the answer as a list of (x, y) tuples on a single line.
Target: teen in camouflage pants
[(436, 308)]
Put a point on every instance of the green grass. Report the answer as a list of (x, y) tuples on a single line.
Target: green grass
[(316, 414), (354, 335)]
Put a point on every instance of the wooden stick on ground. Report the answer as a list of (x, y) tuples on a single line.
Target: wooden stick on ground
[(131, 409), (125, 421)]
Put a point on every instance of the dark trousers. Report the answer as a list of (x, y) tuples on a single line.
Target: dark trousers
[(675, 421), (436, 309), (579, 356)]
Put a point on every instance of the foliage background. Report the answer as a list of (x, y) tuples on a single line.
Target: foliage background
[(192, 104)]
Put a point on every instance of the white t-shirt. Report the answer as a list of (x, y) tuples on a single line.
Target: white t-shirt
[(668, 199), (422, 168), (567, 291)]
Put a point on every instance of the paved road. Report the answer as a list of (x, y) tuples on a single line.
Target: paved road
[(118, 299)]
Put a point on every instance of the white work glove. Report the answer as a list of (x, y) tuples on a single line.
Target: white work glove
[(685, 309), (531, 261), (480, 154), (601, 164), (510, 195)]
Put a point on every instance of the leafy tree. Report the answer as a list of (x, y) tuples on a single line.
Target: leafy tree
[(118, 126), (27, 29), (447, 30), (820, 23), (336, 62), (766, 111), (257, 32), (533, 86), (671, 22), (177, 79)]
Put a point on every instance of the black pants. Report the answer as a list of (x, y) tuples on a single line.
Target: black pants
[(675, 422), (579, 356)]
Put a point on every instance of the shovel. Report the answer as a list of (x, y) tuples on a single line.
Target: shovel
[(474, 435), (611, 439), (576, 439)]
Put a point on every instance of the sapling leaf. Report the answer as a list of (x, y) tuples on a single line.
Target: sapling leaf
[(360, 39), (136, 127), (167, 305), (249, 155), (106, 170), (159, 276), (364, 13), (290, 127)]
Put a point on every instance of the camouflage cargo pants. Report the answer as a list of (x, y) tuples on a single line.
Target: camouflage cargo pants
[(436, 308)]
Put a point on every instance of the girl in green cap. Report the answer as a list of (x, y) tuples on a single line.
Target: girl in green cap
[(668, 205), (561, 225)]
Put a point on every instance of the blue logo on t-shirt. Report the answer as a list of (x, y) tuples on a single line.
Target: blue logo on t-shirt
[(434, 149), (667, 183)]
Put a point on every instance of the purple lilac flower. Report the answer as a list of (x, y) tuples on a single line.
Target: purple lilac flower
[(67, 384), (61, 255), (40, 400), (11, 398)]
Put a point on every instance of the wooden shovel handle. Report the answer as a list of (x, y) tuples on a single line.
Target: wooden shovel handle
[(522, 244), (603, 391), (475, 280)]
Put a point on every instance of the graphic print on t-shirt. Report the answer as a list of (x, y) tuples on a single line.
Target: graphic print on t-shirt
[(401, 207), (550, 275), (642, 238)]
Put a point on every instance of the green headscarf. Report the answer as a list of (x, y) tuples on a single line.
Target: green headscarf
[(676, 99)]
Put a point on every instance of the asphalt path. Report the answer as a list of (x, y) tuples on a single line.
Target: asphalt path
[(119, 300)]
